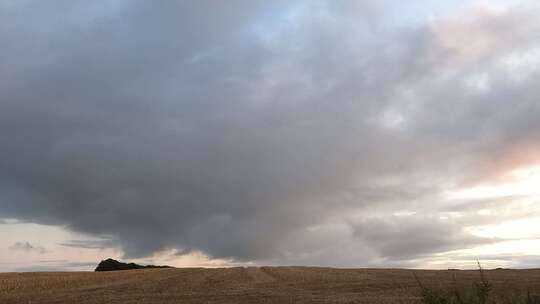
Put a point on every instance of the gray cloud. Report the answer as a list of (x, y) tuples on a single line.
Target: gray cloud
[(406, 237), (229, 129)]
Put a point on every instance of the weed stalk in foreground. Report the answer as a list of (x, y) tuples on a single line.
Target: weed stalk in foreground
[(479, 293)]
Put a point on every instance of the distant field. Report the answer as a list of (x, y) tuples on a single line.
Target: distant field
[(247, 285)]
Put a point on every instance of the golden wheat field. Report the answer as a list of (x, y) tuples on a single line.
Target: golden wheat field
[(248, 285)]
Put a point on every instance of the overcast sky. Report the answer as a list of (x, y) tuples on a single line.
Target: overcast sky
[(215, 133)]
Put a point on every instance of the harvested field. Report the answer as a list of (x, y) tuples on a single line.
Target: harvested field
[(248, 285)]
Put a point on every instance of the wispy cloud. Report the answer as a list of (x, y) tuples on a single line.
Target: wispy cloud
[(27, 247), (89, 244)]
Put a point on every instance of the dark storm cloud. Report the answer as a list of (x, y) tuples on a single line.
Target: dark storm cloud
[(225, 127)]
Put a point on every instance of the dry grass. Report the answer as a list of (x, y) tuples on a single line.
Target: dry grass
[(250, 285)]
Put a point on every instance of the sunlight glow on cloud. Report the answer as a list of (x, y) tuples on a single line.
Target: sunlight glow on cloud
[(521, 182), (526, 228)]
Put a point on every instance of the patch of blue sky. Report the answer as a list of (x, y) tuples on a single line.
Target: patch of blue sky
[(391, 16), (273, 22), (412, 13)]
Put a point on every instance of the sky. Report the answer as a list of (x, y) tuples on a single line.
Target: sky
[(223, 133)]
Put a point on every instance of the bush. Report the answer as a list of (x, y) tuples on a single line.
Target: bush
[(478, 293), (114, 265)]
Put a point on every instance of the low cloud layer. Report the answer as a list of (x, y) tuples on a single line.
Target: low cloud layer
[(241, 128)]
